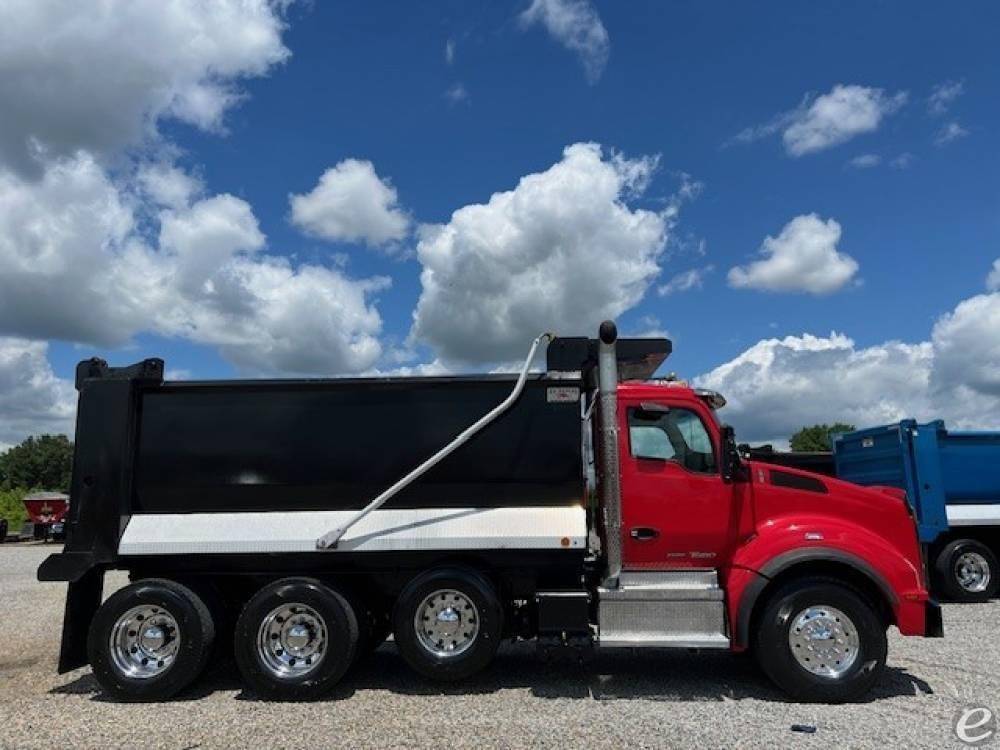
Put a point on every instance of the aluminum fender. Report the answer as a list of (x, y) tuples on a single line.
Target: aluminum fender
[(781, 544)]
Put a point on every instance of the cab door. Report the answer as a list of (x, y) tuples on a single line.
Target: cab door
[(676, 510)]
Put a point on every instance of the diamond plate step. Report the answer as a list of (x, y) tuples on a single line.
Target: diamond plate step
[(683, 579), (673, 640), (663, 609)]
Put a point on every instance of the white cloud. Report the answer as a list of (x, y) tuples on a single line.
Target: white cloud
[(103, 237), (649, 327), (208, 283), (684, 281), (457, 93), (449, 51), (902, 161), (779, 385), (75, 265), (951, 131), (993, 279), (98, 77), (828, 120), (269, 317), (422, 370), (837, 117), (33, 401), (942, 96), (351, 203), (62, 241), (577, 26), (967, 346), (865, 161), (562, 251), (166, 185), (205, 237), (803, 258)]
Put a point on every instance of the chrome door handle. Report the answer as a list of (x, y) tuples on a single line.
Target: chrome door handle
[(644, 533)]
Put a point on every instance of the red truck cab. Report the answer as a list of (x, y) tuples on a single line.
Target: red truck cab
[(764, 529)]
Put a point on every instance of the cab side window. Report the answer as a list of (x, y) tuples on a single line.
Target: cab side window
[(671, 435)]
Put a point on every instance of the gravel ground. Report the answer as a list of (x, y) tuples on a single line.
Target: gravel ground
[(639, 700)]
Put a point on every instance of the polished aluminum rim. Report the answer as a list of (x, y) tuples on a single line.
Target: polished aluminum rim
[(292, 640), (446, 623), (144, 642), (972, 571), (823, 641)]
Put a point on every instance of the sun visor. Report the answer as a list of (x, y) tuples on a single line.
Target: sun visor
[(638, 359)]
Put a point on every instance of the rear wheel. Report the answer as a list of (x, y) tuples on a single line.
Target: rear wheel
[(295, 639), (150, 640), (821, 641), (447, 623), (968, 571)]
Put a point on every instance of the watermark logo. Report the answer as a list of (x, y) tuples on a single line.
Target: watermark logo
[(975, 725)]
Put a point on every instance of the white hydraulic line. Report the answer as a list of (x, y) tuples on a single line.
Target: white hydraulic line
[(330, 539)]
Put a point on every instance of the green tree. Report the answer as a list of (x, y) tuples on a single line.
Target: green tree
[(12, 508), (41, 463), (817, 437)]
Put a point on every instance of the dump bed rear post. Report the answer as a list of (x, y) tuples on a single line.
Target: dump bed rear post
[(101, 489)]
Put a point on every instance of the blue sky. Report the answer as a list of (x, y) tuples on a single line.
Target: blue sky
[(453, 102)]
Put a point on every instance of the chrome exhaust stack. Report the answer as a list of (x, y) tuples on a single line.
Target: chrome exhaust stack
[(609, 479)]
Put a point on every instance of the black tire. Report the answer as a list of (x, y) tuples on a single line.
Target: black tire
[(950, 561), (337, 647), (194, 635), (224, 613), (486, 612), (774, 652)]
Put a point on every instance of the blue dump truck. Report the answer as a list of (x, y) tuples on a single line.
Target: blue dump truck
[(952, 482)]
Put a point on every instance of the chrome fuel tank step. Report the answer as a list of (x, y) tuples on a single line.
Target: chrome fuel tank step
[(669, 609)]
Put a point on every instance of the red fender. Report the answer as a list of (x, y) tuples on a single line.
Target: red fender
[(782, 543)]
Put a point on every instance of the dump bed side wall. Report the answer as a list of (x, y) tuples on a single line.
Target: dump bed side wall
[(970, 466), (326, 446)]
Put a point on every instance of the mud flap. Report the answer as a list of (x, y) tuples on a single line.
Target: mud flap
[(83, 597), (933, 622)]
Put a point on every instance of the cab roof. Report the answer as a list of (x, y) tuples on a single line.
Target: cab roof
[(678, 389)]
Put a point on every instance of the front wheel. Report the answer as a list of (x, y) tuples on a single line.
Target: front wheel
[(967, 571), (821, 641)]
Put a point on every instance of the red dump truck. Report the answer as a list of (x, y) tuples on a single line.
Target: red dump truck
[(46, 512), (585, 507)]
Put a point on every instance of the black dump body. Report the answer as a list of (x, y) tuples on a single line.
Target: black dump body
[(336, 444), (148, 446)]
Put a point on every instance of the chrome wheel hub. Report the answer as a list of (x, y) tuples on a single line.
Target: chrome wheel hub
[(972, 572), (823, 641), (446, 623), (144, 642), (292, 640)]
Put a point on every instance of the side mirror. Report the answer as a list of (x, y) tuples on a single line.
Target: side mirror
[(730, 464)]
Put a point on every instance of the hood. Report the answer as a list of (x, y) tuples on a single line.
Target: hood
[(781, 491)]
